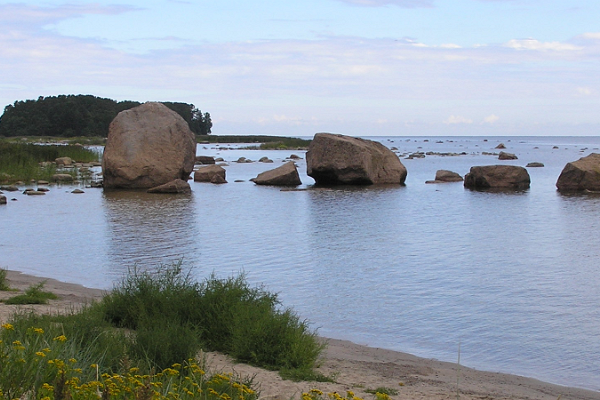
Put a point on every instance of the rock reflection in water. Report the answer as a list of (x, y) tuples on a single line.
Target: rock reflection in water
[(149, 229)]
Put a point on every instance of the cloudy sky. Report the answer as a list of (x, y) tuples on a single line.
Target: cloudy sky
[(291, 67)]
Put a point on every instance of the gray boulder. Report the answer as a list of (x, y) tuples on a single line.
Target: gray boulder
[(285, 175), (206, 174), (583, 174), (338, 159), (147, 146), (509, 177), (175, 186)]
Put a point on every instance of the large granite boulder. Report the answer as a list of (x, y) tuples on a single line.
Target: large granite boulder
[(206, 174), (147, 146), (509, 177), (285, 175), (583, 174), (175, 186), (343, 160)]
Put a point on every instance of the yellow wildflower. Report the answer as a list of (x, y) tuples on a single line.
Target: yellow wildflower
[(40, 354), (17, 343), (8, 327), (61, 338), (38, 330)]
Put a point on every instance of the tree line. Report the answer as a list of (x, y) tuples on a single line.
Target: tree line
[(81, 115)]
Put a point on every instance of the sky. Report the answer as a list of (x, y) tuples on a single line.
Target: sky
[(295, 68)]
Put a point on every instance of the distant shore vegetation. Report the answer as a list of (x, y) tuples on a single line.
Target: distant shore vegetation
[(28, 161), (82, 115), (262, 142)]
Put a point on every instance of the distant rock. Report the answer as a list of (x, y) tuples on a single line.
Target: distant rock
[(9, 188), (583, 174), (62, 178), (265, 160), (43, 182), (205, 160), (63, 161), (217, 179), (173, 187), (295, 157), (444, 176), (285, 175), (535, 165), (243, 160), (206, 174), (147, 146), (501, 146), (77, 191), (3, 199), (338, 160), (498, 177), (507, 156), (43, 189), (32, 192)]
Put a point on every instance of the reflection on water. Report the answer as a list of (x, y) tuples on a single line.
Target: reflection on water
[(148, 229)]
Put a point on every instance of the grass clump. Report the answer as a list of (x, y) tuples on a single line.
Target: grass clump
[(382, 390), (34, 294)]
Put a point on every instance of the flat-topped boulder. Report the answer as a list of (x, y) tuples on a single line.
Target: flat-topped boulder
[(207, 174), (343, 160), (506, 177), (147, 146), (205, 160), (444, 176), (285, 175), (580, 175)]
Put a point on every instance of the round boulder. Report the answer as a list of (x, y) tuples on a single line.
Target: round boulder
[(173, 187), (507, 156), (343, 160), (583, 174), (147, 146), (509, 177)]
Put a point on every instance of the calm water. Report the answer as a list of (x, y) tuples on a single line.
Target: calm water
[(513, 278)]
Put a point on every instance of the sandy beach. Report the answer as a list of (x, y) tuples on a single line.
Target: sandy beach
[(354, 367)]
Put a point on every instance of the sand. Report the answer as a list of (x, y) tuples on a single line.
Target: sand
[(354, 367)]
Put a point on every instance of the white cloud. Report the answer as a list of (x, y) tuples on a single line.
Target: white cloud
[(591, 35), (398, 3), (533, 44), (457, 119), (490, 119)]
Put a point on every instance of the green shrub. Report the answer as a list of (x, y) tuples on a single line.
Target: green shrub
[(33, 295)]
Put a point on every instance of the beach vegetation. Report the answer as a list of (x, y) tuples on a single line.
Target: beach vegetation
[(382, 390), (34, 294), (262, 142), (4, 286)]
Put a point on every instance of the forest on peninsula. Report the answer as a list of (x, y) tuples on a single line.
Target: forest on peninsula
[(81, 115)]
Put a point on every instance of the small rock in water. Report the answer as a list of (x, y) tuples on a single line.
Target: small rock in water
[(77, 191)]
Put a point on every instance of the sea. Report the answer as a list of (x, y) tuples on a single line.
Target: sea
[(508, 280)]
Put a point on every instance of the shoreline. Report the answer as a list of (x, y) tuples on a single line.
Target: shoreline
[(355, 367)]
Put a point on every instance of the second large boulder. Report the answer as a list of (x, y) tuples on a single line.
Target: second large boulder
[(583, 174), (147, 146), (342, 160)]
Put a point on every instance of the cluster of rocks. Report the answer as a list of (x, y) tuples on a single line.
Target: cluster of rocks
[(151, 147)]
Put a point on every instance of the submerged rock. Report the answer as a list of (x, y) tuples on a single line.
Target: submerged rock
[(3, 199), (444, 176), (285, 175), (535, 165), (175, 186), (338, 160)]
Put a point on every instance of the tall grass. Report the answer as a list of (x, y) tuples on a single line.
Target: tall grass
[(3, 280), (20, 161), (225, 315)]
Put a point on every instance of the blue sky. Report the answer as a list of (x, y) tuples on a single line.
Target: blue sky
[(357, 67)]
